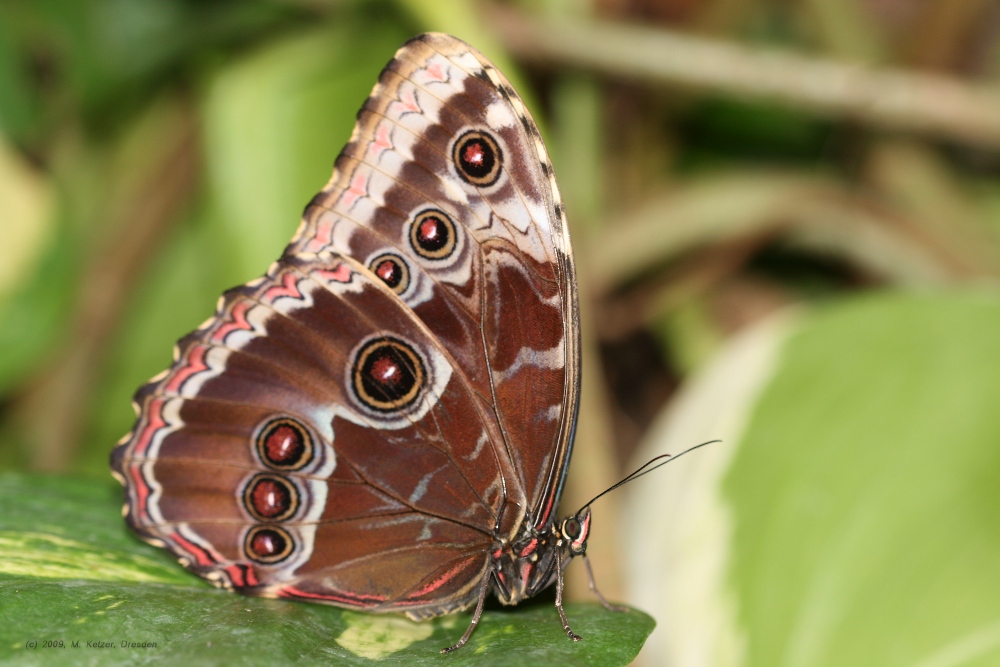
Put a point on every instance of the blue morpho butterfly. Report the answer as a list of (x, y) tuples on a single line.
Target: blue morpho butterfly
[(384, 420)]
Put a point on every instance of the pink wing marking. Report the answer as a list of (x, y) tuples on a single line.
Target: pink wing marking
[(202, 556), (543, 519), (356, 600), (382, 140), (153, 424), (141, 491), (238, 322), (323, 236), (408, 101), (358, 189), (436, 73), (289, 287), (439, 582), (195, 364), (341, 274)]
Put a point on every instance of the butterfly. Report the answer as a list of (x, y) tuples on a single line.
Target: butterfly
[(384, 420)]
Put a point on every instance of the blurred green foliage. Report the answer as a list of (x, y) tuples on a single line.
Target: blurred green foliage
[(885, 484)]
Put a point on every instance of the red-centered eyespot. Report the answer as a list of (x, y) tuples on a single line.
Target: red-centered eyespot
[(432, 234), (388, 271), (478, 158), (271, 498), (387, 375), (284, 444), (474, 155), (268, 545), (392, 270)]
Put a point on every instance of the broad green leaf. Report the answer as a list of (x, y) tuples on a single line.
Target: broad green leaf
[(864, 492), (70, 572), (850, 514)]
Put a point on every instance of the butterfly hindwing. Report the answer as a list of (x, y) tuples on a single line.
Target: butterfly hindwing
[(290, 364)]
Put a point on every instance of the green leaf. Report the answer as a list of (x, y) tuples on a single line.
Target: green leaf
[(864, 491), (70, 572)]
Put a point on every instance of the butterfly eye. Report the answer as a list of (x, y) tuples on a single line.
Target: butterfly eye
[(388, 375), (392, 270), (268, 544), (478, 158), (571, 529), (432, 234), (270, 498), (284, 444)]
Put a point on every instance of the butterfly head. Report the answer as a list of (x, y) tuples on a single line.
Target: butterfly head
[(575, 530)]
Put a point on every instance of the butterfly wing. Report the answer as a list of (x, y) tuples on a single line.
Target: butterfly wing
[(444, 149), (361, 424), (313, 432)]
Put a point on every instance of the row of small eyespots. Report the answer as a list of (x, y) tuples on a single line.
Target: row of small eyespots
[(388, 375), (432, 236), (284, 445), (478, 160)]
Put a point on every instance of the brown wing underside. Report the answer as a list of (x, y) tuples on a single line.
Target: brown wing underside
[(505, 302), (376, 496), (410, 497)]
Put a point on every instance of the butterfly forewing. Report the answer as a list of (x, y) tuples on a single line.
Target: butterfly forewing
[(509, 277)]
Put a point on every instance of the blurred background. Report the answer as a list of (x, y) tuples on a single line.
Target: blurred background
[(786, 219)]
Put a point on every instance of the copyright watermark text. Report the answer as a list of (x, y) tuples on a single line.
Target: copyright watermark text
[(87, 643)]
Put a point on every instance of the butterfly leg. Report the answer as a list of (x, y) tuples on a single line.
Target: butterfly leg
[(593, 588), (484, 588), (559, 604)]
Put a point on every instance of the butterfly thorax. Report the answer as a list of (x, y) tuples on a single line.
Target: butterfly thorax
[(526, 566)]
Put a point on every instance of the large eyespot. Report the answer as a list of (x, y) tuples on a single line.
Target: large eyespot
[(392, 270), (268, 544), (284, 444), (432, 234), (477, 158), (387, 375), (270, 498), (571, 529)]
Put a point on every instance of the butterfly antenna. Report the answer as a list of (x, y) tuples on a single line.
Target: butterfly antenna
[(645, 469)]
